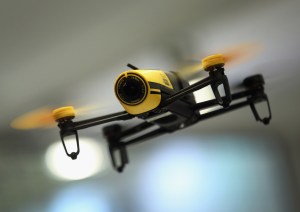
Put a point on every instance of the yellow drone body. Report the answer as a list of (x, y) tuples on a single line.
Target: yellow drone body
[(139, 91)]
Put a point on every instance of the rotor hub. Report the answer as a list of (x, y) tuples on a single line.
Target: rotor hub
[(212, 61), (63, 112)]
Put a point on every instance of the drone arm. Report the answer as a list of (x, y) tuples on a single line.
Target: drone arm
[(146, 136), (117, 139), (223, 110), (213, 102), (265, 120), (136, 129), (119, 116), (117, 146), (70, 128), (253, 96), (215, 79), (190, 89)]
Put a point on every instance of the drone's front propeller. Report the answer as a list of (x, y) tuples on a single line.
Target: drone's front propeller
[(47, 117)]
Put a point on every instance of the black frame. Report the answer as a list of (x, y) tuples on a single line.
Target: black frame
[(115, 136)]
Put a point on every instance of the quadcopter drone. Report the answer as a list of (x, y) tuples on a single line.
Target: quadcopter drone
[(164, 100), (165, 103)]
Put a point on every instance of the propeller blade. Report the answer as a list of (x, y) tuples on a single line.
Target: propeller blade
[(190, 71), (233, 56), (43, 118), (241, 53), (40, 118)]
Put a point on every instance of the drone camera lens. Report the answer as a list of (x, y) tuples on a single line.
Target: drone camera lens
[(131, 89)]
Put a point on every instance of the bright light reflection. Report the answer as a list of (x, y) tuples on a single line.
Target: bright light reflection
[(90, 160), (79, 198), (202, 95), (222, 173), (172, 179)]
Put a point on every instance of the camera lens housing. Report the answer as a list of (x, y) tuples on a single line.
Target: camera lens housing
[(131, 89)]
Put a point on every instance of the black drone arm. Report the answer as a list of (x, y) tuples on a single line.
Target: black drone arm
[(251, 102), (70, 128), (119, 116), (117, 138), (117, 142), (253, 95), (215, 79)]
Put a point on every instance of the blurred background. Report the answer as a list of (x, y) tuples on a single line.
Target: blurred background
[(56, 53)]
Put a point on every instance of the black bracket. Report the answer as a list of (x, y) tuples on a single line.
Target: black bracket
[(218, 78), (66, 127), (113, 134), (69, 128), (256, 84), (252, 101)]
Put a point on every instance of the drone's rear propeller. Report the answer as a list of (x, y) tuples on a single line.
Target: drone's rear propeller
[(232, 56)]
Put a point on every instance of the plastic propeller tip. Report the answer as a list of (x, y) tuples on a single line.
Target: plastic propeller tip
[(232, 56), (46, 117), (241, 53), (40, 118)]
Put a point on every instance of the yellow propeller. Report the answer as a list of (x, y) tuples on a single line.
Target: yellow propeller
[(232, 56), (46, 117)]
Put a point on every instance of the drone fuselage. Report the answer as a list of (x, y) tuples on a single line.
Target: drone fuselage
[(166, 103), (142, 93)]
